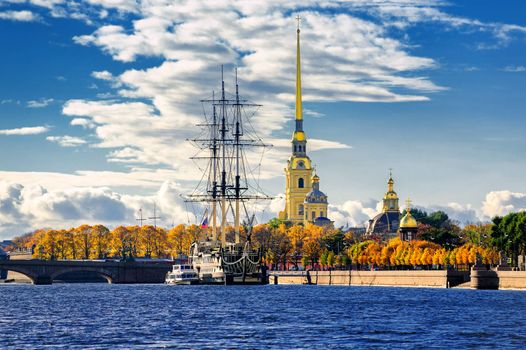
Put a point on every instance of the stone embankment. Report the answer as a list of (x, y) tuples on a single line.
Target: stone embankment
[(477, 279)]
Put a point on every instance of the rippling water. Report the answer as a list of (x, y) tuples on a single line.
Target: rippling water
[(100, 316)]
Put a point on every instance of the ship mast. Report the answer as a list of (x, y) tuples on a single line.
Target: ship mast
[(214, 169), (228, 181), (223, 158), (237, 145)]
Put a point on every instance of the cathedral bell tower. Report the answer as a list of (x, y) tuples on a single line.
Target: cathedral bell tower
[(299, 169), (390, 201)]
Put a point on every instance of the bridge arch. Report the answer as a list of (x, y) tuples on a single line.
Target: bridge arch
[(104, 273), (22, 270)]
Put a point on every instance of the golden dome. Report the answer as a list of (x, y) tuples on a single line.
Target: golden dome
[(408, 221), (315, 178)]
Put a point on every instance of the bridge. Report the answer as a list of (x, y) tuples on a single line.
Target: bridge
[(119, 272)]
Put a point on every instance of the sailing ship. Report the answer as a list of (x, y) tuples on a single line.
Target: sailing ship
[(229, 183)]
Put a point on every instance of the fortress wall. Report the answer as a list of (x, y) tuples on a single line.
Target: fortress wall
[(401, 278), (428, 278), (512, 279)]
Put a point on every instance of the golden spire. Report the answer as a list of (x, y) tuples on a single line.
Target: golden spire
[(299, 112), (390, 183), (390, 197)]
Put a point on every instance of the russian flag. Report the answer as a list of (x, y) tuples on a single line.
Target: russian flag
[(204, 224)]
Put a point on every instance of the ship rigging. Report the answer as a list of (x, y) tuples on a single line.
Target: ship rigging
[(227, 145)]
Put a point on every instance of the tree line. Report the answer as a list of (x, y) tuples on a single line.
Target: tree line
[(98, 242), (441, 242)]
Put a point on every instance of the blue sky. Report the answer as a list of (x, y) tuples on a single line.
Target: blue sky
[(109, 91)]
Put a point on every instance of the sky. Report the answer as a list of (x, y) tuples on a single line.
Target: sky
[(98, 98)]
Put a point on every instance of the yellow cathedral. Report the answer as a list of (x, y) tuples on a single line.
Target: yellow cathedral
[(304, 202)]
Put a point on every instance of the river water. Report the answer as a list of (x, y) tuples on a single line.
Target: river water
[(101, 316)]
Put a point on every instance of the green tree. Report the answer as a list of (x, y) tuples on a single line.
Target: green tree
[(330, 259)]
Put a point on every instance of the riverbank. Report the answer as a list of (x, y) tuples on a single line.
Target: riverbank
[(513, 280)]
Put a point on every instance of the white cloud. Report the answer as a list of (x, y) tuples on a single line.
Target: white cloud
[(360, 63), (85, 123), (103, 75), (21, 16), (30, 130), (120, 5), (43, 102), (352, 213), (136, 178), (67, 141), (514, 69), (499, 203), (463, 214), (26, 208)]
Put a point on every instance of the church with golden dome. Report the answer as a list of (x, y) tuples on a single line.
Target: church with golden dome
[(304, 201), (408, 225), (388, 223)]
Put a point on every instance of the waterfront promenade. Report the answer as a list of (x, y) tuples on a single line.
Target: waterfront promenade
[(475, 279)]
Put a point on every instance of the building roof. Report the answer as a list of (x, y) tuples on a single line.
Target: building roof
[(384, 223), (408, 221), (316, 196)]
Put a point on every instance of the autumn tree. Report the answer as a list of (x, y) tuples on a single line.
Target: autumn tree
[(82, 237), (176, 239), (101, 239)]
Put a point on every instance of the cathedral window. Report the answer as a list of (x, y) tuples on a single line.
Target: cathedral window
[(321, 213), (301, 183), (300, 209), (313, 215)]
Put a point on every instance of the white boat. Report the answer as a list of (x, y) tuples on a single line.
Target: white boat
[(206, 258), (182, 274)]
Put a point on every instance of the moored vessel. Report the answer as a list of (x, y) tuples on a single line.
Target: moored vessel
[(182, 274), (227, 144)]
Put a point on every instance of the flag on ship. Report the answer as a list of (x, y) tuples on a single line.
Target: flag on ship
[(204, 222)]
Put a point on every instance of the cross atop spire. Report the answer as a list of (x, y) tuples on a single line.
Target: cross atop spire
[(298, 18), (408, 204)]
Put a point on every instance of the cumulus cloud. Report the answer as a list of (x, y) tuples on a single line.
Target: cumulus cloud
[(463, 214), (499, 203), (21, 16), (194, 39), (103, 75), (29, 130), (67, 141), (352, 213), (85, 123), (345, 58), (23, 209)]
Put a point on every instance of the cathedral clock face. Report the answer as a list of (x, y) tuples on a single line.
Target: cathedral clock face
[(301, 165)]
